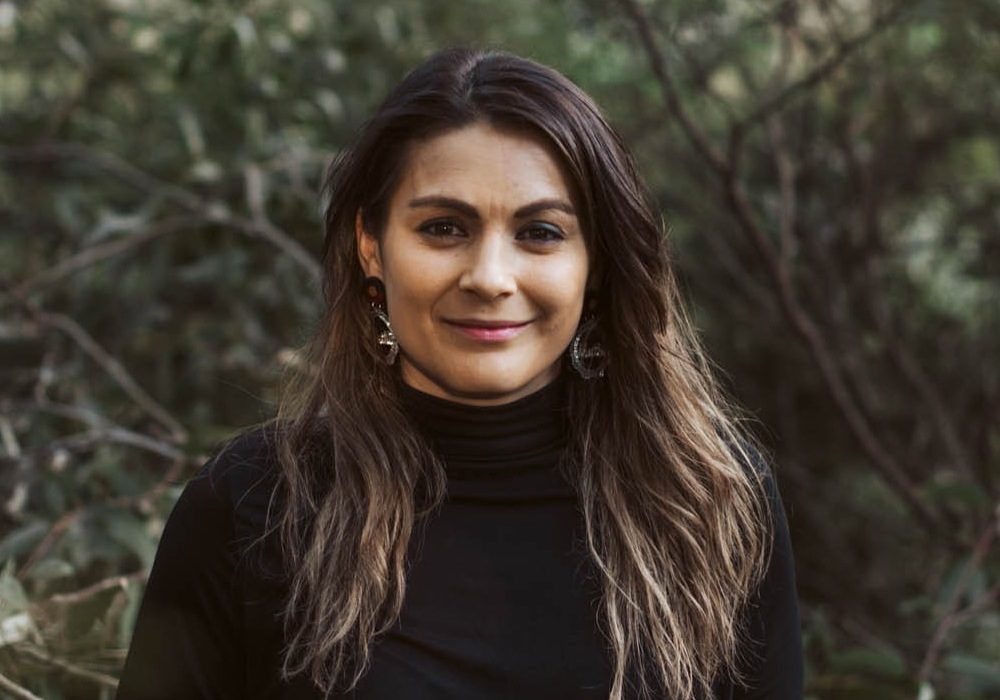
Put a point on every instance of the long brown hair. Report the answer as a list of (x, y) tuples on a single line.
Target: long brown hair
[(670, 485)]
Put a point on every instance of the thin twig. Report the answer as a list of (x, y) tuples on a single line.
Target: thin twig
[(67, 667), (951, 615), (15, 690), (102, 251), (698, 138), (48, 541), (84, 594), (277, 237), (780, 274), (897, 350), (982, 602), (107, 362), (102, 429), (141, 180), (115, 435), (116, 370), (786, 178), (143, 501), (819, 73), (63, 410), (123, 171)]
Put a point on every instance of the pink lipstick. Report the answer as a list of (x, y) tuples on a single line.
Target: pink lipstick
[(489, 331)]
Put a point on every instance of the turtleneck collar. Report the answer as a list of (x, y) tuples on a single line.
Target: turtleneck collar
[(527, 433)]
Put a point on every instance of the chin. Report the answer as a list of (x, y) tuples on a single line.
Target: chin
[(483, 377), (482, 386)]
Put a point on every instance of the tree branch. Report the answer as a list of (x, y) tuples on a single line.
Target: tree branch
[(952, 616), (875, 302), (110, 364), (138, 179), (85, 594), (701, 142), (780, 273), (72, 669), (102, 429), (819, 73), (15, 690), (103, 251)]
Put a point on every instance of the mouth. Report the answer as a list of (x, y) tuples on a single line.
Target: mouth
[(488, 331)]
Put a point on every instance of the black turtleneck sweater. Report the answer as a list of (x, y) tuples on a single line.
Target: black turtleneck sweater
[(501, 598)]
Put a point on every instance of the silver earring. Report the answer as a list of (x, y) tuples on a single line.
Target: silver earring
[(586, 354), (385, 338), (387, 342)]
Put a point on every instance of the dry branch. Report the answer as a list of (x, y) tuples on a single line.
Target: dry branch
[(103, 251), (15, 690), (725, 166), (130, 175), (67, 667), (819, 73), (84, 594), (952, 616), (108, 363)]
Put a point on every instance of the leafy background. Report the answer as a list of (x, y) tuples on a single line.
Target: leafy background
[(830, 174)]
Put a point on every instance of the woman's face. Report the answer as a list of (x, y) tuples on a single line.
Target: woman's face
[(481, 231)]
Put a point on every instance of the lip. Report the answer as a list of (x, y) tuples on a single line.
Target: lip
[(488, 331)]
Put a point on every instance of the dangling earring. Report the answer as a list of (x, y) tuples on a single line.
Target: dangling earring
[(586, 353), (387, 344)]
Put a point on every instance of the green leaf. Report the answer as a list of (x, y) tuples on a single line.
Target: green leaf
[(50, 569), (13, 599), (16, 628), (975, 582), (131, 532), (984, 673), (22, 539)]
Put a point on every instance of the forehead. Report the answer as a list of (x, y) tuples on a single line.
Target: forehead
[(482, 162)]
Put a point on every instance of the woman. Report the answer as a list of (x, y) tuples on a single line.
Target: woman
[(507, 472)]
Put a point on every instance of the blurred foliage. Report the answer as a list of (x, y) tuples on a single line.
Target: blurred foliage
[(160, 217)]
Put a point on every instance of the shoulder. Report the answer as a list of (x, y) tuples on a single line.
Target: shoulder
[(192, 600), (773, 654), (224, 509), (758, 464), (242, 478), (240, 465)]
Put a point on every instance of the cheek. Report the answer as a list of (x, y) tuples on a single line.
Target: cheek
[(561, 307), (416, 284), (558, 291)]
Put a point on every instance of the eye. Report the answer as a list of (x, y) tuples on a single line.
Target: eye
[(441, 228), (543, 234)]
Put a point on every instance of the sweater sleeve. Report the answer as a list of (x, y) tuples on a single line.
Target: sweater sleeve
[(774, 663), (187, 642)]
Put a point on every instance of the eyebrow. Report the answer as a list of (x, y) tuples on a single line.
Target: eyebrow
[(470, 211)]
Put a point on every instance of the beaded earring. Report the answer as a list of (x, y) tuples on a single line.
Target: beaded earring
[(386, 340), (586, 354)]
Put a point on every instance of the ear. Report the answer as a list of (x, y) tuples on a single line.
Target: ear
[(369, 253)]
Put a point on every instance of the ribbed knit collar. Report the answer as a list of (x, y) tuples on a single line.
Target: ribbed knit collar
[(529, 432)]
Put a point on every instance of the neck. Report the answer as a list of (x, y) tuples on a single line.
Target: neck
[(415, 379), (527, 430)]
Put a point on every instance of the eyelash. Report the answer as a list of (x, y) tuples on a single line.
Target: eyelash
[(554, 233)]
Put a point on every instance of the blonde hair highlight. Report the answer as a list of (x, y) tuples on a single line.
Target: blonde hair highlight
[(671, 486)]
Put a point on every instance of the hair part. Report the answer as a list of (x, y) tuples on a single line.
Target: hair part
[(671, 487)]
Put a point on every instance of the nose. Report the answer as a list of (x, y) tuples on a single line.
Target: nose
[(489, 272)]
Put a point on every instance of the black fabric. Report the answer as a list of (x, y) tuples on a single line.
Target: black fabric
[(501, 598)]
